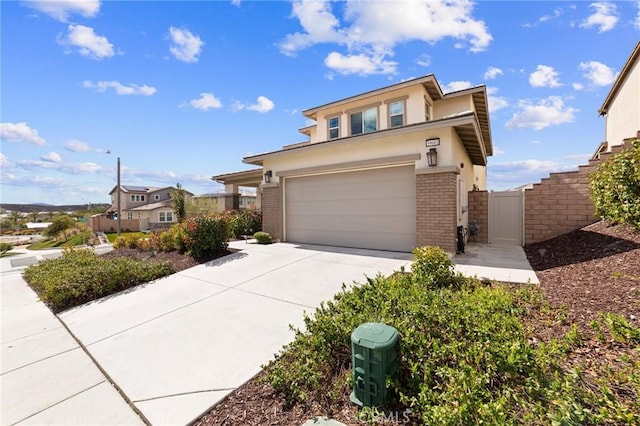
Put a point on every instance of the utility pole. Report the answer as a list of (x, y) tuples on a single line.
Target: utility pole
[(118, 199)]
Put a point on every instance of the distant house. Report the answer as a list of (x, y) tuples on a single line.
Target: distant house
[(143, 208), (621, 107)]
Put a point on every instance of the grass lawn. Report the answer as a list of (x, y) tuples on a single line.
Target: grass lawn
[(76, 240), (9, 253)]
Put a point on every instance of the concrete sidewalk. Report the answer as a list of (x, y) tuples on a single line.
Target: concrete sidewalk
[(496, 262), (46, 377)]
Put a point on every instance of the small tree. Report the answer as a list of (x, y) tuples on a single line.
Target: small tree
[(179, 207), (16, 218), (60, 225), (615, 187), (4, 248), (34, 215)]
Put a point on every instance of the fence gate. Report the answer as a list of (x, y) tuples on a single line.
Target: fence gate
[(506, 217)]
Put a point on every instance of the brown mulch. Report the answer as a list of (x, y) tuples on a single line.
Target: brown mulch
[(595, 269), (177, 261)]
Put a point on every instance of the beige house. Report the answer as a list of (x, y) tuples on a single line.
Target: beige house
[(245, 200), (388, 169), (621, 107), (143, 208)]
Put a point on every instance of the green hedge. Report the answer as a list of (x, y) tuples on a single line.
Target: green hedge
[(615, 187), (81, 275)]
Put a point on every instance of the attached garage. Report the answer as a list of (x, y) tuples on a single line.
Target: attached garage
[(372, 209)]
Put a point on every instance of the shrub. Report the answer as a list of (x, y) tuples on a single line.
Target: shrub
[(81, 275), (173, 238), (206, 235), (615, 187), (263, 237), (245, 222), (432, 266), (128, 241), (4, 248)]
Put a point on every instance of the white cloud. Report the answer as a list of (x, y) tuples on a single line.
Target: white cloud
[(455, 86), (492, 73), (547, 112), (262, 105), (605, 17), (20, 132), (536, 142), (121, 89), (557, 12), (497, 150), (495, 102), (371, 30), (636, 22), (72, 168), (577, 86), (362, 64), (62, 9), (206, 101), (544, 76), (52, 156), (4, 161), (87, 42), (236, 2), (75, 145), (598, 73), (424, 60), (185, 46)]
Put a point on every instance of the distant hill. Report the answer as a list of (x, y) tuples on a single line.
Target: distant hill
[(27, 208)]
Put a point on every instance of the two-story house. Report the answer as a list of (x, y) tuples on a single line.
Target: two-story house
[(142, 208), (388, 169)]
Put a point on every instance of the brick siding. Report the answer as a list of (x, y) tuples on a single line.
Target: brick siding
[(436, 210), (479, 212), (562, 202), (272, 211)]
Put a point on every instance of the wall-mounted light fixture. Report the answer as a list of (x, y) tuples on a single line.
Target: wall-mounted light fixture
[(432, 157), (267, 176)]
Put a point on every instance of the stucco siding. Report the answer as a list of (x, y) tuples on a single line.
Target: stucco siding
[(623, 117), (448, 107)]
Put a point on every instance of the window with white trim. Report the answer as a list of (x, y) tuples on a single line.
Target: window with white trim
[(334, 127), (165, 216), (427, 111), (364, 121), (129, 215), (396, 114), (156, 197), (137, 197)]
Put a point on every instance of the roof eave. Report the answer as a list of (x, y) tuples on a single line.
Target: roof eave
[(635, 55)]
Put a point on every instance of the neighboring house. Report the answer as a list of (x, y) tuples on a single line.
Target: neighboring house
[(388, 169), (621, 107), (245, 200), (142, 208)]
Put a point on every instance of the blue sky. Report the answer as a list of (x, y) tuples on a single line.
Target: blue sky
[(181, 91)]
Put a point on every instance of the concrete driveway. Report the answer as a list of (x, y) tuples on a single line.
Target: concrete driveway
[(177, 346)]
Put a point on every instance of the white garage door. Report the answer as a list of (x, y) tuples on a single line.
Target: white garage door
[(374, 209)]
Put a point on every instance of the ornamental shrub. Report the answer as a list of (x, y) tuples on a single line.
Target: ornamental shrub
[(263, 237), (245, 222), (206, 235), (81, 275), (432, 266), (4, 248), (615, 187), (172, 239)]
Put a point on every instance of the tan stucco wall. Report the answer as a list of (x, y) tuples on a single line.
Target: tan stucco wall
[(448, 107), (623, 117), (414, 111)]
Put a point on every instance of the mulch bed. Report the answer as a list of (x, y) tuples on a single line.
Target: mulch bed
[(595, 269), (176, 260)]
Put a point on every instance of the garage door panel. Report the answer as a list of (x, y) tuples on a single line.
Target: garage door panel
[(369, 209)]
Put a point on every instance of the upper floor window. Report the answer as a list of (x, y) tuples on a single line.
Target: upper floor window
[(129, 215), (165, 216), (396, 114), (364, 121), (156, 197), (137, 197), (427, 111), (334, 127)]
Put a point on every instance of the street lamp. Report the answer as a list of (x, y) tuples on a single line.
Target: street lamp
[(117, 195)]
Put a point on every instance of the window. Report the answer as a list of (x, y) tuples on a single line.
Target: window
[(130, 215), (427, 111), (156, 197), (166, 216), (334, 127), (396, 114), (137, 198), (364, 121)]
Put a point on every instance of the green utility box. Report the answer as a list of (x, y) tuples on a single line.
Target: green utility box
[(374, 355)]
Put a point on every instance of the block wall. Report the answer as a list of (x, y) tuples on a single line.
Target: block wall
[(479, 212), (272, 211)]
